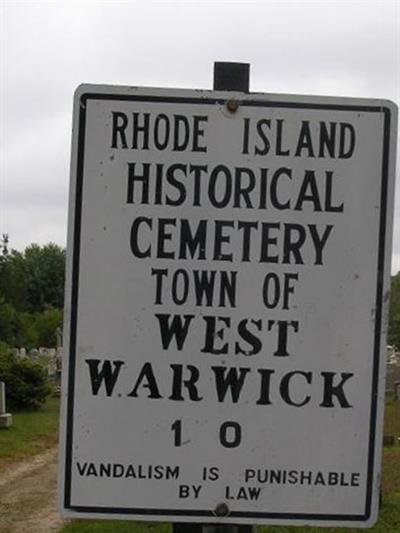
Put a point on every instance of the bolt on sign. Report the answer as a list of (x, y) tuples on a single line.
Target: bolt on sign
[(226, 308)]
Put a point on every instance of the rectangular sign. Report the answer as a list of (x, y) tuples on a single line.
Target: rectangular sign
[(227, 288)]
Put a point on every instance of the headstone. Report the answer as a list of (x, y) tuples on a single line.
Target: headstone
[(52, 367), (5, 418), (58, 370), (59, 337)]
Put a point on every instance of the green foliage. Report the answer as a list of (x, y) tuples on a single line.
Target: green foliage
[(394, 312), (13, 279), (44, 267), (26, 382), (33, 280), (9, 323), (27, 334), (31, 294), (29, 330), (46, 324)]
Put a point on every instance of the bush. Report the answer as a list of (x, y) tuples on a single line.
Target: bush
[(46, 324), (29, 330), (27, 384)]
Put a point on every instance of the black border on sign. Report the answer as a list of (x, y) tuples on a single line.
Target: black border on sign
[(75, 297)]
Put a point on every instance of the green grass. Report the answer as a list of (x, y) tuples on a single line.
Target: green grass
[(31, 432)]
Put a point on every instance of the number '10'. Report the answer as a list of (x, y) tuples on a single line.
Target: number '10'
[(230, 434)]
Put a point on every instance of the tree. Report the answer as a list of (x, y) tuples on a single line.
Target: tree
[(45, 271), (46, 324), (8, 323), (13, 279), (31, 294), (33, 280), (4, 244)]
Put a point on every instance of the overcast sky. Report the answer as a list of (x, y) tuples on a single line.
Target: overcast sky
[(340, 48)]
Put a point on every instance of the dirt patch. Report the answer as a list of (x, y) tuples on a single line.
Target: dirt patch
[(28, 495)]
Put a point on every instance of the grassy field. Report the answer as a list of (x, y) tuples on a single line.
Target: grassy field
[(31, 433)]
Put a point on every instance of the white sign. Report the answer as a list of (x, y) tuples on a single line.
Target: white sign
[(227, 292)]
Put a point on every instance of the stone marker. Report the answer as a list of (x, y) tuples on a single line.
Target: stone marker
[(59, 336), (5, 418)]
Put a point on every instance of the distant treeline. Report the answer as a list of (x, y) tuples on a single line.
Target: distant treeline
[(31, 294)]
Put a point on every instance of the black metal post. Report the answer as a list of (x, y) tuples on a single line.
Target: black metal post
[(227, 77), (228, 529), (231, 76), (187, 528), (198, 528)]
